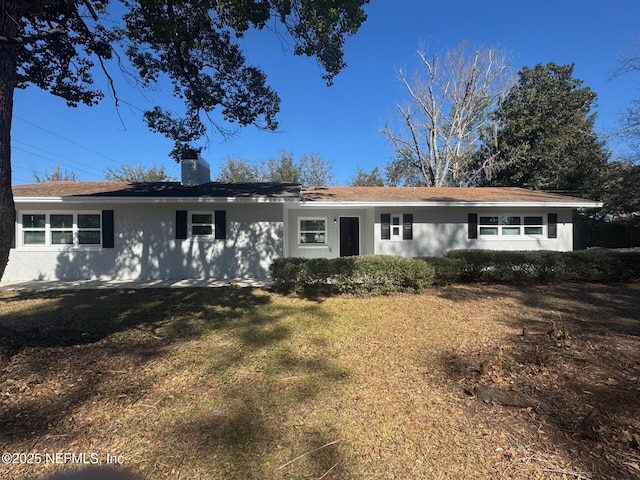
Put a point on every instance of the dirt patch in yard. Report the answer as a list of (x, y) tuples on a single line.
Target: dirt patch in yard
[(463, 381), (571, 369)]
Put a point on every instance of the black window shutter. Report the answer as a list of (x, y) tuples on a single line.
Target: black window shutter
[(385, 223), (181, 224), (472, 220), (108, 232), (552, 225), (407, 226), (220, 219)]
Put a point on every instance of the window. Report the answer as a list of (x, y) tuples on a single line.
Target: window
[(34, 229), (396, 227), (61, 229), (201, 224), (89, 229), (313, 231), (510, 226), (533, 225)]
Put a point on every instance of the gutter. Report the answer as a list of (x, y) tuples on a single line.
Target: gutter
[(152, 200), (510, 204), (302, 203)]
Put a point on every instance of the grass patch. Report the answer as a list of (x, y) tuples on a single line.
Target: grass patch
[(242, 383)]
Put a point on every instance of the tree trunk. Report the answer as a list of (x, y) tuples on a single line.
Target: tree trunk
[(8, 61)]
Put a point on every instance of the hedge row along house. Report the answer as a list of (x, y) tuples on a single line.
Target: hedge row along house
[(200, 229)]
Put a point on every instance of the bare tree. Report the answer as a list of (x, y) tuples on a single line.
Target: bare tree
[(315, 171), (57, 175), (440, 128), (630, 124), (138, 173)]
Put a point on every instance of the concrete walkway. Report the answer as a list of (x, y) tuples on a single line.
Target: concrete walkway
[(132, 284)]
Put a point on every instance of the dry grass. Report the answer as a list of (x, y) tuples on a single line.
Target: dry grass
[(242, 383)]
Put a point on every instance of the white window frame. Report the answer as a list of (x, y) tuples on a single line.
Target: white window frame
[(191, 224), (78, 229), (23, 230), (301, 231), (48, 231), (504, 226), (393, 226), (70, 229)]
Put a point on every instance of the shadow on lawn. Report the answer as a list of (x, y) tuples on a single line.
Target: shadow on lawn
[(254, 436), (258, 428), (77, 348), (69, 346), (576, 352), (86, 316)]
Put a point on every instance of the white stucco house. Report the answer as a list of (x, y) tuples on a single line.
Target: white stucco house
[(201, 229)]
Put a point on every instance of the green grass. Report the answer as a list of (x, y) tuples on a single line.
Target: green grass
[(247, 384)]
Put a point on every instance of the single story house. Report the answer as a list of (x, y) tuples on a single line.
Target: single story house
[(201, 229)]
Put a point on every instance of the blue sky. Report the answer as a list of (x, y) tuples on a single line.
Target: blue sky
[(342, 123)]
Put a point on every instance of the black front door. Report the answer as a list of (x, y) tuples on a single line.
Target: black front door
[(349, 236)]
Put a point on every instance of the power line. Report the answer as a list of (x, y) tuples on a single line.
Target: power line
[(67, 140), (49, 159), (83, 165), (21, 180)]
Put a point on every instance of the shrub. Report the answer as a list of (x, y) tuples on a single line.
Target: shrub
[(447, 270), (506, 266), (593, 265), (602, 265), (363, 274), (384, 274)]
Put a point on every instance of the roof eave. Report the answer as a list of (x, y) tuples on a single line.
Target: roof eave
[(84, 199), (507, 204), (132, 200)]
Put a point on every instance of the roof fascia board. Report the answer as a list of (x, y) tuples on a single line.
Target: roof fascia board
[(508, 204), (131, 200), (303, 204)]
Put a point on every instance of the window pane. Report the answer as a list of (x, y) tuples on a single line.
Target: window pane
[(489, 221), (533, 220), (62, 238), (488, 230), (533, 230), (396, 220), (89, 237), (510, 230), (312, 225), (202, 218), (510, 220), (88, 221), (34, 238), (33, 221), (308, 237), (201, 230), (61, 221), (396, 231)]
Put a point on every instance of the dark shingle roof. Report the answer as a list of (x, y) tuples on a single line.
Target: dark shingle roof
[(157, 189)]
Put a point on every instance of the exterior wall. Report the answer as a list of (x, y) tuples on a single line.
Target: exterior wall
[(438, 230), (332, 216), (257, 233), (146, 248)]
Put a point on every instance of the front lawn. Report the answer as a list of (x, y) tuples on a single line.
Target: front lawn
[(243, 383)]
